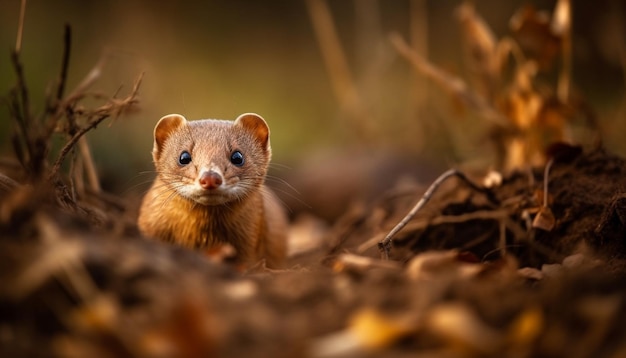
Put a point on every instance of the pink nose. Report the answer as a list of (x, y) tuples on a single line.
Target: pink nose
[(210, 180)]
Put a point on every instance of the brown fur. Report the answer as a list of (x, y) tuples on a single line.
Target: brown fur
[(249, 217)]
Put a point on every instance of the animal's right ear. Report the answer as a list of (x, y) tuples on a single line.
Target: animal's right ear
[(163, 129)]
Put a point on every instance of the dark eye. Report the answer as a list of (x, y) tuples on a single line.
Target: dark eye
[(185, 158), (237, 158)]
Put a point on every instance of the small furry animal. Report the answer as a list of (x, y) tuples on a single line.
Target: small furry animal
[(209, 189)]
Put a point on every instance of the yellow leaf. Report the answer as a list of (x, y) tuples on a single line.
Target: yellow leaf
[(374, 330), (526, 327)]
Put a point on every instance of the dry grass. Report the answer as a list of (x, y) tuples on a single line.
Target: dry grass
[(64, 118)]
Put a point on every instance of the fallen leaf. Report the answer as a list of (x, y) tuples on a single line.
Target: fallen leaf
[(465, 331), (527, 327), (428, 265), (544, 219)]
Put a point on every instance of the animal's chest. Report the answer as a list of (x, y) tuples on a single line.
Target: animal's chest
[(215, 230)]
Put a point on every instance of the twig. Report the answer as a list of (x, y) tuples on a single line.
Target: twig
[(6, 183), (102, 113), (55, 108), (22, 97), (67, 40), (70, 144), (499, 215), (20, 28), (23, 90), (385, 245), (78, 93), (89, 166)]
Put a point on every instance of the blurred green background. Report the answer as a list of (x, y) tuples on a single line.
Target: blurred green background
[(217, 59)]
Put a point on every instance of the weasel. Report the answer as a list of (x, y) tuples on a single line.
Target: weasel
[(209, 189)]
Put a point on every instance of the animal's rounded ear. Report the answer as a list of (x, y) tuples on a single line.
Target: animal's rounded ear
[(255, 124), (163, 129)]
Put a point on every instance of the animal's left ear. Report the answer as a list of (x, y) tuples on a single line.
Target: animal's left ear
[(256, 125)]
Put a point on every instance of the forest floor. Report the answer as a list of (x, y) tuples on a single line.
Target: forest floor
[(475, 273)]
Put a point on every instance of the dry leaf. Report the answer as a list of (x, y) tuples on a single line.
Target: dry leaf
[(530, 273), (350, 262), (544, 219), (376, 330), (551, 270), (186, 332), (306, 233), (368, 330), (465, 331), (100, 314), (429, 265), (527, 327), (532, 31)]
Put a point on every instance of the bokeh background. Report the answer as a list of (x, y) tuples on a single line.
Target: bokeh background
[(220, 58)]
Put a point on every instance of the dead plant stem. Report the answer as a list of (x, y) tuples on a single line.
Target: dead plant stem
[(563, 20), (20, 27), (88, 165), (332, 52), (546, 174), (448, 83), (337, 66), (23, 118), (419, 41), (70, 144), (67, 40)]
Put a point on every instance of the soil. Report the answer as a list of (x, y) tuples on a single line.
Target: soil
[(475, 273)]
